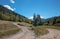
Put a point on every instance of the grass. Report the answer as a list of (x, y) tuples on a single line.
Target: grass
[(52, 27), (25, 24), (8, 32), (7, 28), (42, 30)]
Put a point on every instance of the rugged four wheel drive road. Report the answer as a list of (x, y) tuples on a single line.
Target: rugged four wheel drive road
[(25, 33)]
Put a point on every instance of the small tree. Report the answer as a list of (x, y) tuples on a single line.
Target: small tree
[(34, 20), (38, 20)]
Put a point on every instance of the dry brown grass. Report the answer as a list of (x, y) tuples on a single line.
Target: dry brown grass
[(40, 30), (25, 24), (7, 28), (53, 27), (9, 31)]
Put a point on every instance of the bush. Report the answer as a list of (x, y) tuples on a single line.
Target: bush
[(40, 31)]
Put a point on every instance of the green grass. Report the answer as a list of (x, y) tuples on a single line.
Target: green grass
[(7, 28)]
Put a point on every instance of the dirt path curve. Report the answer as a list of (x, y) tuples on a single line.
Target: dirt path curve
[(28, 34), (53, 34), (25, 33)]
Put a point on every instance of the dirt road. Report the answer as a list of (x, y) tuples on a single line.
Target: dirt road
[(28, 34), (53, 34), (25, 33)]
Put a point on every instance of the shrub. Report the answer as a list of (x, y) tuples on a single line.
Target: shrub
[(40, 31)]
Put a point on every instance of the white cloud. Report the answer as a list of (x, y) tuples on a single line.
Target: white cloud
[(32, 17), (41, 16), (7, 6), (12, 1)]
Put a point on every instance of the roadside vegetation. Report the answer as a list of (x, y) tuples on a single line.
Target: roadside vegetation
[(24, 24), (40, 31), (7, 28), (43, 29), (52, 27)]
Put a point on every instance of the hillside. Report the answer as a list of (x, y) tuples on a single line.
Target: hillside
[(53, 20), (6, 14), (8, 28)]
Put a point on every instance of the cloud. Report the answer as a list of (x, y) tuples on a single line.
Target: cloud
[(32, 17), (41, 16), (9, 7), (12, 1)]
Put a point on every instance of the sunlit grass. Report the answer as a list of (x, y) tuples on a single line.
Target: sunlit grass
[(25, 24), (42, 30), (7, 28), (9, 31), (52, 27)]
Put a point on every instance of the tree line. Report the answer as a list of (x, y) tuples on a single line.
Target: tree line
[(37, 20), (6, 14)]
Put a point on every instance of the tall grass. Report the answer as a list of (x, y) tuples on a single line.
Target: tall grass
[(7, 28), (40, 31), (52, 27), (9, 31), (25, 24)]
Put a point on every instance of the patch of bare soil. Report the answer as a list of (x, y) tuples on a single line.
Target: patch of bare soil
[(28, 34)]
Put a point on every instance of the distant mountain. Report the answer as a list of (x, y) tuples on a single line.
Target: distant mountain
[(53, 20), (6, 14), (43, 20)]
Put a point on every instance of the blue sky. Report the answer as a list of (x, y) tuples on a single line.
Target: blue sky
[(46, 8)]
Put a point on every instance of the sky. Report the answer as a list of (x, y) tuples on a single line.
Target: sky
[(45, 8)]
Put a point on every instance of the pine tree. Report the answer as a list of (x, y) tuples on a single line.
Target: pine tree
[(34, 20), (38, 20)]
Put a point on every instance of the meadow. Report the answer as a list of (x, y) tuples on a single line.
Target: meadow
[(7, 28)]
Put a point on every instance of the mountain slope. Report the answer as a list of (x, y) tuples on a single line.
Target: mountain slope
[(6, 14), (53, 20)]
